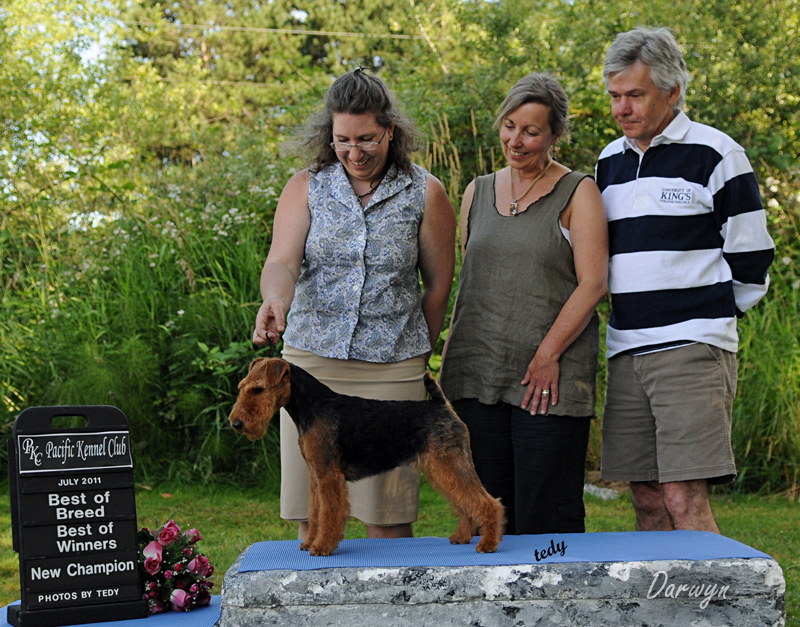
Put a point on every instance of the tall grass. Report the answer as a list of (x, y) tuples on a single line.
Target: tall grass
[(766, 420), (767, 410), (151, 311)]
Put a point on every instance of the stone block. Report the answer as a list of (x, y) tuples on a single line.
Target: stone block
[(682, 592)]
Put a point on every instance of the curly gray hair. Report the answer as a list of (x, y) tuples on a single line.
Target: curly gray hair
[(658, 50), (355, 93)]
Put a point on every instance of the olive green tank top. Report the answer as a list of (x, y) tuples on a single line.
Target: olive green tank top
[(517, 274)]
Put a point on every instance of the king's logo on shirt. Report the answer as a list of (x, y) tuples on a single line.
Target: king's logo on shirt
[(676, 195)]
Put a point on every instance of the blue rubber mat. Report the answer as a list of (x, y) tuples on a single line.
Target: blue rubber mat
[(200, 617), (533, 549)]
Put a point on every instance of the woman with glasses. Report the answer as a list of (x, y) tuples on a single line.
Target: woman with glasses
[(353, 234)]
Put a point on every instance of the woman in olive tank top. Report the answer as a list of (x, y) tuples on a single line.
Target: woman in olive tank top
[(521, 357)]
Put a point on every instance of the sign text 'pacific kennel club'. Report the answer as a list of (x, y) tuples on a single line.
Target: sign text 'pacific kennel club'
[(74, 518)]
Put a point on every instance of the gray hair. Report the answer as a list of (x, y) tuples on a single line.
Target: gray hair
[(543, 89), (356, 93), (658, 50)]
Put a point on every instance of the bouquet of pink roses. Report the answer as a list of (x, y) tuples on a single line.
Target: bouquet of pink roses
[(175, 573)]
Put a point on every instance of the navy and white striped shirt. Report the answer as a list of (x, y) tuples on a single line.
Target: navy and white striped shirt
[(688, 241)]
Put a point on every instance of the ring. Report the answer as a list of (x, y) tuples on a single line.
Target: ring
[(545, 392)]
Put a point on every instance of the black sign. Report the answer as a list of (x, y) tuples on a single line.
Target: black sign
[(74, 519)]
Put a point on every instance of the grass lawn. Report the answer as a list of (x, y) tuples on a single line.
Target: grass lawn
[(230, 519)]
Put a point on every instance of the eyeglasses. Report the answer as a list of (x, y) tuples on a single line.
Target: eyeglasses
[(365, 146)]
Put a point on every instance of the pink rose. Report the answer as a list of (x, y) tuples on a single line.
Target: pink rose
[(209, 571), (168, 533), (187, 551), (199, 565), (153, 550), (192, 535), (177, 568), (152, 553), (168, 574), (181, 600)]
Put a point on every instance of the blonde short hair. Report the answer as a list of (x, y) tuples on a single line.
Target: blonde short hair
[(543, 89)]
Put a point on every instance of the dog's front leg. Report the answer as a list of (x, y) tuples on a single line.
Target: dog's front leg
[(333, 510), (313, 510), (313, 500)]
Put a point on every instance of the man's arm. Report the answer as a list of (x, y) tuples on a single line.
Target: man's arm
[(747, 248)]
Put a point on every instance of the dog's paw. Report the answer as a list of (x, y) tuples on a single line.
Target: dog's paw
[(305, 546), (458, 538), (487, 546), (322, 551)]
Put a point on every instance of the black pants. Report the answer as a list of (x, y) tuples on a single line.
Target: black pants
[(535, 464)]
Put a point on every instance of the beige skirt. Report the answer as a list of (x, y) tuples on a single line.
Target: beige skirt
[(391, 498)]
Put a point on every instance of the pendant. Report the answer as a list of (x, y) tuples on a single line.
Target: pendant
[(513, 208)]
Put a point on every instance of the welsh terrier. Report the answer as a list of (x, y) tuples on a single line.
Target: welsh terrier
[(347, 438)]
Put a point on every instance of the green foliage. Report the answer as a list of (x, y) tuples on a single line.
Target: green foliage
[(767, 412), (140, 166), (149, 312)]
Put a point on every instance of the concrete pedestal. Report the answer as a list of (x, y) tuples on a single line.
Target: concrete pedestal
[(682, 592)]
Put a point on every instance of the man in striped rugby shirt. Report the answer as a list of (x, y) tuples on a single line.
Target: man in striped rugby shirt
[(689, 253)]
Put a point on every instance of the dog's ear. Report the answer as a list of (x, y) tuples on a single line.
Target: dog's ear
[(267, 373), (254, 362), (276, 370)]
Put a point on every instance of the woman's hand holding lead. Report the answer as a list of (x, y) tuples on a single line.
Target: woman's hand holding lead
[(270, 322)]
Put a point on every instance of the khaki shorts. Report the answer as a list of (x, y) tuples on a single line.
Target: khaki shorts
[(668, 416), (391, 498)]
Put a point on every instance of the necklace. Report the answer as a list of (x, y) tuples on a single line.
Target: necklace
[(372, 188), (514, 206)]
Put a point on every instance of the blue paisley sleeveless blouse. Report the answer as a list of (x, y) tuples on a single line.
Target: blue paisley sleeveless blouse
[(358, 295)]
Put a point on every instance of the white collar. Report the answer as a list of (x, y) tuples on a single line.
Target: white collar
[(675, 131)]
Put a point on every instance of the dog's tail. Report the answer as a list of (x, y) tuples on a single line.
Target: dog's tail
[(432, 385)]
